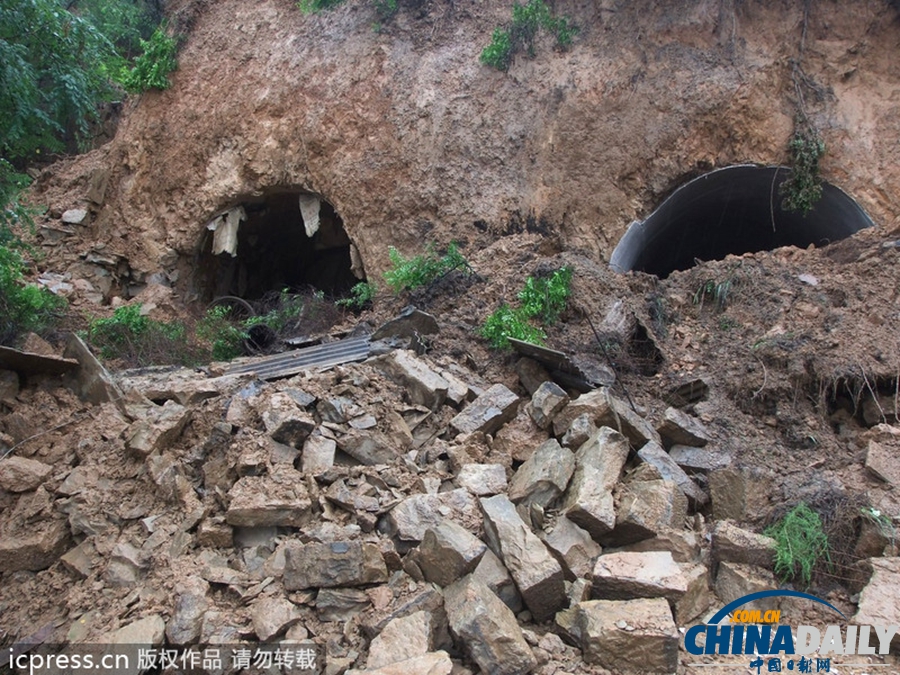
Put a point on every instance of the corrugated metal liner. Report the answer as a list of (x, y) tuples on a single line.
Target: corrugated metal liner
[(290, 363)]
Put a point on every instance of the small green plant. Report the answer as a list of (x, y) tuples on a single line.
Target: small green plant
[(138, 340), (506, 323), (361, 295), (386, 9), (800, 543), (222, 333), (714, 292), (23, 307), (410, 273), (286, 311), (803, 187), (152, 67), (527, 20), (498, 54), (545, 297)]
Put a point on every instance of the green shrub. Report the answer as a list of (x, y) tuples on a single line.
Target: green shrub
[(527, 21), (224, 335), (361, 295), (386, 9), (410, 273), (151, 69), (803, 187), (545, 297), (800, 543), (23, 307), (141, 341), (498, 54), (284, 313), (507, 323)]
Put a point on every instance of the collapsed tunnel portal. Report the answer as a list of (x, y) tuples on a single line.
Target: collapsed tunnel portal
[(733, 210), (282, 239)]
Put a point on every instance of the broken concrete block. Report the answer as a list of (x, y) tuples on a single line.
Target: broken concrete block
[(214, 533), (422, 383), (487, 629), (278, 499), (285, 421), (448, 552), (579, 431), (368, 448), (644, 509), (629, 636), (35, 551), (884, 461), (626, 575), (127, 565), (699, 460), (151, 630), (401, 639), (698, 598), (482, 480), (679, 428), (736, 493), (495, 576), (653, 454), (684, 545), (588, 501), (544, 476), (731, 543), (433, 663), (273, 616), (573, 548), (411, 518), (487, 413), (338, 409), (190, 606), (340, 563), (20, 474), (536, 572), (604, 409), (546, 401), (518, 438), (158, 429), (879, 601), (80, 560), (74, 216), (341, 604), (531, 374), (734, 580)]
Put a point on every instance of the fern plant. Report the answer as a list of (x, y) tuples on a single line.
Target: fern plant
[(506, 323), (410, 273), (800, 543)]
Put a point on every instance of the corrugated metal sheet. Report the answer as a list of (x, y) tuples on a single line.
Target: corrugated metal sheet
[(290, 363)]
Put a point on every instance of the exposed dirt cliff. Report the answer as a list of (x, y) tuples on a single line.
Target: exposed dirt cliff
[(411, 139)]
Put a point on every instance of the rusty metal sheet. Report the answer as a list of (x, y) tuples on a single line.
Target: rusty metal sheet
[(27, 363), (290, 363)]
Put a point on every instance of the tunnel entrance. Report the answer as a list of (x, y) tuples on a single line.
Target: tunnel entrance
[(282, 239), (732, 210)]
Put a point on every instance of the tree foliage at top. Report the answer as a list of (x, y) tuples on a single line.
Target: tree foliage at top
[(58, 61)]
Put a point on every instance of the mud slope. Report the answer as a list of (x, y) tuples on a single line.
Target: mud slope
[(411, 138)]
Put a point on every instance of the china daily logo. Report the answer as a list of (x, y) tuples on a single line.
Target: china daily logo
[(776, 647)]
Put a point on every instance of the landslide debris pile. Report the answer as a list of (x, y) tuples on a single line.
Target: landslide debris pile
[(402, 514)]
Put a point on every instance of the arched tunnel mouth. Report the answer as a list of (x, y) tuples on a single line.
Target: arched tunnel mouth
[(733, 210), (284, 238)]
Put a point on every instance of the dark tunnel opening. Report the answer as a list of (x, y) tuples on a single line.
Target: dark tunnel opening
[(264, 244), (733, 210)]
